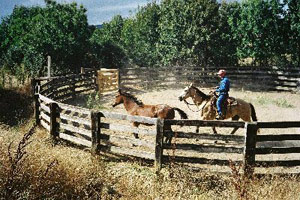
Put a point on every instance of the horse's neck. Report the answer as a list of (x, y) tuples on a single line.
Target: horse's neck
[(198, 100), (129, 104)]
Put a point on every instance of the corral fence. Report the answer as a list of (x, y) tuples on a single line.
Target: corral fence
[(108, 132), (248, 77), (108, 80)]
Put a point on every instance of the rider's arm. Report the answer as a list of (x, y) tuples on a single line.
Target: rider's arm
[(224, 86)]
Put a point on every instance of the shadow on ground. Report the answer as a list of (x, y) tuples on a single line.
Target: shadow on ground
[(15, 106)]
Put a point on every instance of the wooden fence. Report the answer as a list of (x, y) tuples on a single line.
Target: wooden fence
[(108, 80), (255, 78), (112, 132)]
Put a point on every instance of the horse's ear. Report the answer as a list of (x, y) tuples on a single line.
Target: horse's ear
[(191, 84), (119, 91)]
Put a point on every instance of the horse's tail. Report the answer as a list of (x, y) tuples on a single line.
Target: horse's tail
[(253, 113), (182, 114)]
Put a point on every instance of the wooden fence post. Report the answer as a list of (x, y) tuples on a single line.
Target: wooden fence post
[(49, 67), (53, 121), (119, 78), (35, 84), (249, 149), (82, 70), (96, 80), (95, 128), (159, 144)]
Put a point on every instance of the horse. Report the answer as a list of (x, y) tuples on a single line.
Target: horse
[(134, 106), (208, 111)]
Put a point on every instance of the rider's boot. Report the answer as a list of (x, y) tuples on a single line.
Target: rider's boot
[(220, 116)]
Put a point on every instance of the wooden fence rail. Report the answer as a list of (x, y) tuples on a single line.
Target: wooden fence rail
[(97, 130), (273, 78)]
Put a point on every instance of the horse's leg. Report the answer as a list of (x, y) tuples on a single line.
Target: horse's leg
[(235, 118), (214, 130), (136, 124), (197, 129), (169, 135)]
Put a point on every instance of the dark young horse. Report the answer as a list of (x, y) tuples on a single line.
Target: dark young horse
[(136, 107)]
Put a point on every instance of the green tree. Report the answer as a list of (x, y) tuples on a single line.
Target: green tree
[(189, 31), (293, 22), (106, 47), (259, 29), (140, 36), (58, 30)]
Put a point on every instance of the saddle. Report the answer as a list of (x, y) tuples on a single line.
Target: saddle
[(230, 101)]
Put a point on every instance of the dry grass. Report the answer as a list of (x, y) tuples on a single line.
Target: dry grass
[(66, 172), (32, 168)]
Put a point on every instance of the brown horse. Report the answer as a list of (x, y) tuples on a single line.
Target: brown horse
[(135, 107), (208, 111)]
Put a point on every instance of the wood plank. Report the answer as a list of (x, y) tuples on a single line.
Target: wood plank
[(45, 125), (197, 148), (131, 118), (45, 99), (84, 90), (130, 129), (205, 123), (45, 117), (76, 119), (75, 109), (285, 124), (203, 136), (281, 137), (184, 159), (75, 129), (75, 140), (127, 151), (278, 163), (45, 108), (284, 150), (278, 144), (115, 139)]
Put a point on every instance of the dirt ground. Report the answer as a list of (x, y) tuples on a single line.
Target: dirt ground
[(269, 106)]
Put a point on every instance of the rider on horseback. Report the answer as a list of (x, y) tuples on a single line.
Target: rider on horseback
[(223, 90)]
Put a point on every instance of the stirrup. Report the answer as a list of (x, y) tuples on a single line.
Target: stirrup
[(219, 117)]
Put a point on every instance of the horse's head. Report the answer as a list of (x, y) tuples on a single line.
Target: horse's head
[(118, 99), (186, 93)]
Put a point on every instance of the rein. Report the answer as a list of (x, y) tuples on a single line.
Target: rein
[(188, 105), (201, 109)]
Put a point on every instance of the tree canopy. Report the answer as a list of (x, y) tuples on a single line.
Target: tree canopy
[(202, 33)]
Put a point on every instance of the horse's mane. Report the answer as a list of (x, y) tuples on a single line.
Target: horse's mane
[(200, 93), (137, 101)]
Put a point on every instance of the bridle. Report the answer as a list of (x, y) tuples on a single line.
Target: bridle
[(190, 104), (201, 109)]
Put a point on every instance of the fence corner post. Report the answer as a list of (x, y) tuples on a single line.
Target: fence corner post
[(35, 84), (159, 144), (53, 121), (96, 131), (249, 149)]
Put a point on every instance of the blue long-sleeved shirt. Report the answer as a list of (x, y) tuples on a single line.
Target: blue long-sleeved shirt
[(224, 86)]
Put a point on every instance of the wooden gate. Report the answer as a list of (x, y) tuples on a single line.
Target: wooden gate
[(108, 80)]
